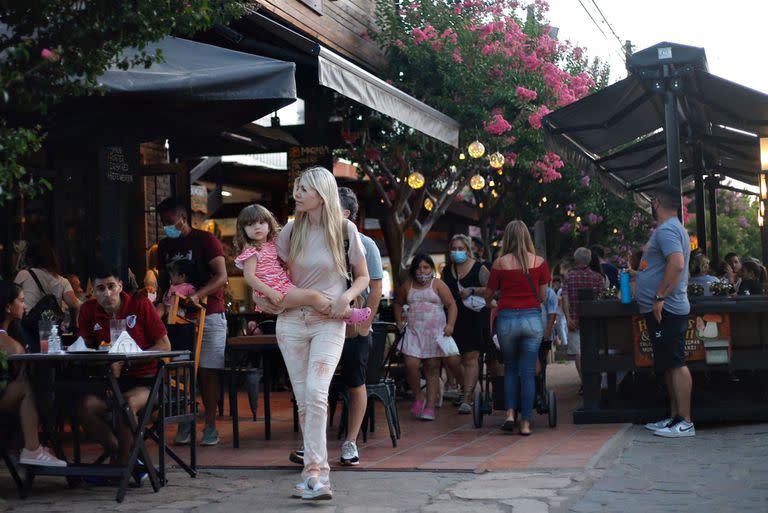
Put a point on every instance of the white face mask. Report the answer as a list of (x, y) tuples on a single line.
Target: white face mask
[(152, 296)]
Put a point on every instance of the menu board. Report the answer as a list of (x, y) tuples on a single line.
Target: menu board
[(302, 157), (701, 328)]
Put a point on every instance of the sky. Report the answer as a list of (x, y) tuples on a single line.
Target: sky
[(732, 33)]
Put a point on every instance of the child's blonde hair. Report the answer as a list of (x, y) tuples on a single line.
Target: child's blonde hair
[(254, 214)]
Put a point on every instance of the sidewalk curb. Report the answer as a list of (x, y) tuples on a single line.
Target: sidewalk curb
[(612, 449)]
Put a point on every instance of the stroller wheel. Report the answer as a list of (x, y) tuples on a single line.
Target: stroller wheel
[(552, 399), (477, 409)]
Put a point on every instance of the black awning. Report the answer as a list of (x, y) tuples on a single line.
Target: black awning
[(198, 88), (619, 132)]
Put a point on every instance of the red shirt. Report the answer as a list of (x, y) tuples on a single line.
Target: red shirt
[(200, 247), (144, 326), (576, 279), (516, 292)]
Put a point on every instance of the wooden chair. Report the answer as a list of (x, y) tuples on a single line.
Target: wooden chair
[(180, 316)]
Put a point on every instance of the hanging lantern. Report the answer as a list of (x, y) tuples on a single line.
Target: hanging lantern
[(500, 171), (615, 231), (494, 194), (481, 205), (497, 160), (491, 183), (544, 199), (462, 156), (452, 169), (416, 180), (578, 219), (477, 182), (476, 150), (429, 204)]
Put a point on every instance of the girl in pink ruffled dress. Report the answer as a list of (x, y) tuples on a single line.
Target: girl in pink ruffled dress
[(255, 236)]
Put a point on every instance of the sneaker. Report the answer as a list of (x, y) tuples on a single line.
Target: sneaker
[(465, 408), (140, 475), (183, 434), (417, 408), (428, 414), (298, 488), (661, 424), (40, 457), (297, 456), (349, 455), (678, 428), (458, 399), (210, 436), (316, 489)]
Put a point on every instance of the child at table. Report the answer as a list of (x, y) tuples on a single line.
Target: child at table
[(255, 237), (182, 276)]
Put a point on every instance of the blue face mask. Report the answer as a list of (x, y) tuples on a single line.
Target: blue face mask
[(171, 231), (459, 257)]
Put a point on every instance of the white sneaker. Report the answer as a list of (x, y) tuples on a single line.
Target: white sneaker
[(40, 457), (298, 488), (659, 424), (679, 429), (465, 408), (349, 455), (316, 489)]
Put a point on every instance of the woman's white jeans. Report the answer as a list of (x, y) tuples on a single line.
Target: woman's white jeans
[(311, 345)]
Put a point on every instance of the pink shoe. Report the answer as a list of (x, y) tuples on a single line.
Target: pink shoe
[(40, 457), (428, 414), (417, 408), (358, 315)]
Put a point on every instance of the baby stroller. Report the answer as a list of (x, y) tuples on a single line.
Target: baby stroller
[(486, 395)]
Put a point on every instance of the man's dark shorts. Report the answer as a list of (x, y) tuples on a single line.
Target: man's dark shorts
[(668, 340), (354, 360)]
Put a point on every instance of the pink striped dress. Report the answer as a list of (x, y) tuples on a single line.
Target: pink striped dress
[(268, 268)]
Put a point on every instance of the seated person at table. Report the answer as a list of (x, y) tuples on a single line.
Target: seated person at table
[(16, 396), (146, 328), (183, 283)]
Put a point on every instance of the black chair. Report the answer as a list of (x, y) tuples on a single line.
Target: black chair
[(377, 387), (9, 427)]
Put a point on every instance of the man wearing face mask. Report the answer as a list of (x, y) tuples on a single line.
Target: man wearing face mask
[(182, 242)]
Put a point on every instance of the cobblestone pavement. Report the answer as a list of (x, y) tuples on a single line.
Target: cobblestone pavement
[(722, 469)]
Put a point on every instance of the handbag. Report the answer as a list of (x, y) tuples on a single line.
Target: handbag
[(448, 345), (473, 302), (48, 308)]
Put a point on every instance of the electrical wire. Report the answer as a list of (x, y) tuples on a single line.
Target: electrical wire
[(600, 11)]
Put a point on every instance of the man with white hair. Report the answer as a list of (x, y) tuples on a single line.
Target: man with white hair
[(580, 277)]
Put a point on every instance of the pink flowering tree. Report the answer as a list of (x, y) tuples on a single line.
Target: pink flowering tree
[(491, 65), (737, 226)]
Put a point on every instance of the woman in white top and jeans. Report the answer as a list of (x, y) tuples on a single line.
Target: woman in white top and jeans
[(311, 342)]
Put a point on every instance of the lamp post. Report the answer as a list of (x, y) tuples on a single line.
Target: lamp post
[(763, 195)]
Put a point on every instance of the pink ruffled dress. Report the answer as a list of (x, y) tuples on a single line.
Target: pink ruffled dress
[(268, 268)]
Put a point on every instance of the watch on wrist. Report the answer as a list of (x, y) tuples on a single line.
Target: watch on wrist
[(658, 298)]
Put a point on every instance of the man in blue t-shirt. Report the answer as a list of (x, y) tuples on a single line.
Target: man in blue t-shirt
[(661, 293)]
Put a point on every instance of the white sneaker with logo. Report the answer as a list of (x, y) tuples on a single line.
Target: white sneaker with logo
[(659, 424), (678, 429), (349, 455)]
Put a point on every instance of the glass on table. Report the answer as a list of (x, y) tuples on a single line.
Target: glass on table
[(116, 327), (44, 332)]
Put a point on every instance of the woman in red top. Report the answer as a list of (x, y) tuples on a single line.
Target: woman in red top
[(521, 278)]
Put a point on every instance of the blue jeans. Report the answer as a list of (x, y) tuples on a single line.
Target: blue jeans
[(519, 333)]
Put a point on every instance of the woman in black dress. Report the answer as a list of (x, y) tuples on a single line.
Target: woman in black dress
[(465, 277)]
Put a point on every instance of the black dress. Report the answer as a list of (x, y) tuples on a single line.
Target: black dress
[(472, 330)]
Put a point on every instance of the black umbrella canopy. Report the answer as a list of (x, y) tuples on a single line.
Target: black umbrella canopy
[(621, 133)]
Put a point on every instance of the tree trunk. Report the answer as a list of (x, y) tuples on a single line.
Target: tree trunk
[(394, 240)]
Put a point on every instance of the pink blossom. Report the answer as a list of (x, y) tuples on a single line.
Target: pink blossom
[(546, 45), (457, 55), (497, 126), (743, 222), (399, 43), (583, 228), (592, 218), (546, 168), (49, 55), (511, 139), (535, 118), (578, 53), (510, 159), (524, 94), (531, 61), (585, 181), (565, 228)]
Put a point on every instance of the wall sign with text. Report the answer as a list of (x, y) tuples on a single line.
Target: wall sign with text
[(701, 329)]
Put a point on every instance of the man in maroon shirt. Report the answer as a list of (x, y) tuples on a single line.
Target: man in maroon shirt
[(145, 327), (580, 277), (182, 242)]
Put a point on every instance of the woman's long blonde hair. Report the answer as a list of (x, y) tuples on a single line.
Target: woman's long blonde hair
[(322, 181), (517, 241)]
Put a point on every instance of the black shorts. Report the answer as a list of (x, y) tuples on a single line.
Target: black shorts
[(354, 360), (668, 340)]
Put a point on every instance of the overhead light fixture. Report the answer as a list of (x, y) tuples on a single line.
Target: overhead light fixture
[(335, 118), (226, 194)]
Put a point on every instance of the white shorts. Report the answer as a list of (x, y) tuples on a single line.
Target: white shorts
[(574, 343), (214, 341)]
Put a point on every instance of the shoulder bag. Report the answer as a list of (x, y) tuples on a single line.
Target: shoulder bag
[(48, 308)]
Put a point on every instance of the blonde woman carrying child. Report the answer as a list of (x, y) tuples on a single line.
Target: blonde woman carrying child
[(255, 237)]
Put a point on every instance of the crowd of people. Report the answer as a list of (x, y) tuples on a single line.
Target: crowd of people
[(323, 280)]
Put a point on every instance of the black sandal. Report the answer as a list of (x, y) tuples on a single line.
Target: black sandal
[(509, 425)]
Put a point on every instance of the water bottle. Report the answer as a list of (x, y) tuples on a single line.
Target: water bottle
[(626, 291), (53, 340)]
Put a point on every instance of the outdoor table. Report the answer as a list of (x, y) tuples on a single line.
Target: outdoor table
[(238, 350), (727, 353), (104, 360)]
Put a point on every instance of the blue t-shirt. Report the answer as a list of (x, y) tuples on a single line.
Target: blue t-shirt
[(670, 237), (549, 306), (372, 260)]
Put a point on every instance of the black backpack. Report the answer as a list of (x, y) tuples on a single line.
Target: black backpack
[(48, 308)]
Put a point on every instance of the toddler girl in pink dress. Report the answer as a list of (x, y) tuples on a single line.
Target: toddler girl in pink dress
[(256, 232)]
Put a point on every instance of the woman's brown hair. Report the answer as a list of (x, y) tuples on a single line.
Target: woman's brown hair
[(517, 241), (254, 214)]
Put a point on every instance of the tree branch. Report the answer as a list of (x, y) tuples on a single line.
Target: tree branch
[(379, 188), (416, 208)]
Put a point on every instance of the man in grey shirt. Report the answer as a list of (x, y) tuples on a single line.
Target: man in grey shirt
[(661, 293)]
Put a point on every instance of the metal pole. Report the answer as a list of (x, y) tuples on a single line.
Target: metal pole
[(701, 227), (672, 129), (711, 194)]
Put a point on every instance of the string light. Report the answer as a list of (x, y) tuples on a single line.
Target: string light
[(477, 182), (476, 150), (491, 183), (416, 180), (500, 171), (462, 156), (578, 219), (429, 204), (481, 205), (496, 160), (615, 230), (544, 199), (494, 193)]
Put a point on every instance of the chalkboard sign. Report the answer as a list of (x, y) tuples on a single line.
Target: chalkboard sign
[(701, 329), (116, 166), (302, 157)]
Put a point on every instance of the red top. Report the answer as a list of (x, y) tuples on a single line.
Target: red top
[(200, 247), (144, 326), (516, 291)]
